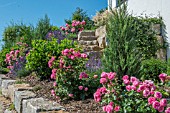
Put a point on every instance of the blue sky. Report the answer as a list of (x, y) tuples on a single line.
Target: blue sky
[(29, 11)]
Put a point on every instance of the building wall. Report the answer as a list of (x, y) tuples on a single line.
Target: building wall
[(151, 8)]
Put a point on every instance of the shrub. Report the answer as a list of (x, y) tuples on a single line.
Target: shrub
[(71, 79), (121, 54), (153, 67), (3, 64), (168, 66), (55, 34), (80, 15), (132, 95), (41, 53), (16, 61)]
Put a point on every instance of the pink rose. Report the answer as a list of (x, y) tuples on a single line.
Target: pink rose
[(86, 89), (54, 70), (73, 30), (161, 108), (53, 76), (83, 22), (83, 55), (132, 79), (54, 84), (125, 77), (138, 90), (162, 77), (151, 100), (103, 80), (117, 108), (109, 109), (146, 93), (156, 105), (141, 87), (111, 103), (70, 95), (163, 102), (158, 95), (133, 87), (135, 83), (80, 87), (72, 57), (111, 75), (97, 96), (104, 108), (95, 76), (128, 87), (126, 81), (104, 75), (12, 52), (53, 92), (167, 110), (103, 90)]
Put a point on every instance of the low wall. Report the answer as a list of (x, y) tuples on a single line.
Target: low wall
[(25, 100)]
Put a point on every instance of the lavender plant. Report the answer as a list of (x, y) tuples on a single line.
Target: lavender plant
[(55, 34), (94, 62)]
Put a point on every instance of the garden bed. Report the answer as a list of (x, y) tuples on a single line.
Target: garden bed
[(43, 89)]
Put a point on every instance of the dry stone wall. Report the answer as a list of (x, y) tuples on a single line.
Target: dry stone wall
[(24, 99)]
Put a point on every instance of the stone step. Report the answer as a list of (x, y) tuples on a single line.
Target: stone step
[(87, 38), (94, 53), (92, 48), (82, 42), (37, 105), (87, 33)]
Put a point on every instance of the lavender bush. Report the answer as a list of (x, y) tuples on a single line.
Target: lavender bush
[(94, 62), (56, 34)]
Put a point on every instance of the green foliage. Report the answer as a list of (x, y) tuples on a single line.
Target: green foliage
[(146, 37), (81, 15), (70, 75), (14, 32), (152, 68), (121, 55), (168, 66), (43, 27), (41, 52), (3, 64), (11, 107)]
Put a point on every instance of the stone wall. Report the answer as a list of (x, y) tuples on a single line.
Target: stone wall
[(24, 99)]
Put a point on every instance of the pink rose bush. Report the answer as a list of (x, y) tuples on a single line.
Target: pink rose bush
[(74, 27), (133, 92), (15, 59), (69, 72)]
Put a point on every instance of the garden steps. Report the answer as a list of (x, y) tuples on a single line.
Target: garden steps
[(23, 99)]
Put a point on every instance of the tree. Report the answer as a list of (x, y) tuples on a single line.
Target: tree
[(43, 27), (81, 15), (121, 55)]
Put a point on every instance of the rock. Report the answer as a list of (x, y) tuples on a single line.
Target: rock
[(101, 34), (160, 40), (2, 77), (36, 105), (86, 33), (82, 42), (156, 28), (4, 86), (17, 87), (8, 111), (19, 96), (161, 54), (87, 38)]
